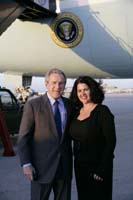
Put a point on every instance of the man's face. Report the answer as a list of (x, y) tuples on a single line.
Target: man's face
[(55, 85)]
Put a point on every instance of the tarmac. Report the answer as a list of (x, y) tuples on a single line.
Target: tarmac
[(14, 186)]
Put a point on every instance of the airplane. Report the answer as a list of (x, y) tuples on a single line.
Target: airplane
[(80, 37)]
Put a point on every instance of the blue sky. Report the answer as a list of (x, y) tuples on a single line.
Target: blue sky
[(38, 83)]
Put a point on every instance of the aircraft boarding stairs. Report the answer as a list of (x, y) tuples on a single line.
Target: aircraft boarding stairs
[(10, 10)]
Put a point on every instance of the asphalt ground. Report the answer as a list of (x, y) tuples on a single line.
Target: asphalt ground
[(14, 186)]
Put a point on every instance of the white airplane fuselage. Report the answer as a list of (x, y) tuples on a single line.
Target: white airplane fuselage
[(105, 51)]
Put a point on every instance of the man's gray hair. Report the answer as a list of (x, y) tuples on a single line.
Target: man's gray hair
[(54, 71)]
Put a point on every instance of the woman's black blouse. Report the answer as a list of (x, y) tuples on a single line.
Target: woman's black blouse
[(94, 137)]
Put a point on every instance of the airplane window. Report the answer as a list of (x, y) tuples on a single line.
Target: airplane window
[(6, 99)]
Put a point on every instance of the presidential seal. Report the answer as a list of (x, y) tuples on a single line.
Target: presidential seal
[(66, 30)]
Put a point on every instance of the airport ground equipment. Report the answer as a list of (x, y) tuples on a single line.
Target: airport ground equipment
[(4, 135), (12, 110)]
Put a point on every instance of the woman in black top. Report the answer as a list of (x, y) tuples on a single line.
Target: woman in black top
[(93, 132)]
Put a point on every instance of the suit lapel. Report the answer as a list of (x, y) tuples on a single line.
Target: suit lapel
[(46, 108), (49, 112)]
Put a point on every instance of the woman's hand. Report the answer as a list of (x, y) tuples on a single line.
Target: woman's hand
[(97, 178)]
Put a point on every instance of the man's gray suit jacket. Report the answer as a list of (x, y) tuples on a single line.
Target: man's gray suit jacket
[(38, 141)]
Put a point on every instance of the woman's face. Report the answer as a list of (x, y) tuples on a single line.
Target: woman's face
[(83, 93)]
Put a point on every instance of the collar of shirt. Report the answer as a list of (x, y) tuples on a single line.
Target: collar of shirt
[(61, 108), (52, 100)]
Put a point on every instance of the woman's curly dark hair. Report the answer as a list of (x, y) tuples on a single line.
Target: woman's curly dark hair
[(96, 91)]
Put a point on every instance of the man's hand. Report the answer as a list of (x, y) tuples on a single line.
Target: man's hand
[(28, 172)]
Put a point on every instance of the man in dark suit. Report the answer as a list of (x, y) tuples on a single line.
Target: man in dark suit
[(45, 154)]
